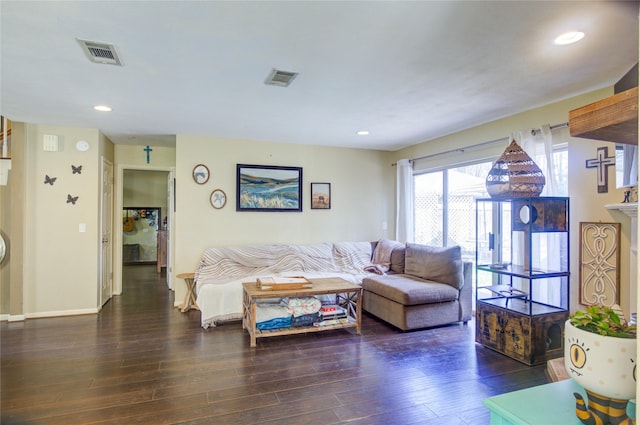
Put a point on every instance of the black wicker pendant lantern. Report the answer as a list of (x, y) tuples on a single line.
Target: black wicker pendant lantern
[(515, 175)]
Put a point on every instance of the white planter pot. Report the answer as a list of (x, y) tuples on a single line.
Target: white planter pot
[(602, 364)]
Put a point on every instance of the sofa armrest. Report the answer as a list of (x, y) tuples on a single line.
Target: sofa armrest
[(466, 292)]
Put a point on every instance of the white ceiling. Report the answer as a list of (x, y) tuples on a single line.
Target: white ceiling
[(406, 71)]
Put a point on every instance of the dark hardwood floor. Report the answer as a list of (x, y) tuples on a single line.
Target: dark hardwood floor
[(141, 361)]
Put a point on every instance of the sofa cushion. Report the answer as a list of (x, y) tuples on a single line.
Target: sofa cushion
[(397, 260), (438, 264), (409, 290)]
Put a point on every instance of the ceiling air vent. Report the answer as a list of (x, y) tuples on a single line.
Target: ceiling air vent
[(280, 78), (100, 52)]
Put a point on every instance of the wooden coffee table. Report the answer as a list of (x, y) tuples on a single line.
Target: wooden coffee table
[(348, 295)]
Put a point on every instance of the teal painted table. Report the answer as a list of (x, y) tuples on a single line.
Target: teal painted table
[(549, 404)]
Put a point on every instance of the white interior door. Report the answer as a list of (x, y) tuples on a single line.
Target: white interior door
[(106, 231)]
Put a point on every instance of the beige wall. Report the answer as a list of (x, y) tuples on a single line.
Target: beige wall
[(12, 226), (590, 208), (362, 195), (145, 189), (585, 202), (134, 157), (53, 266)]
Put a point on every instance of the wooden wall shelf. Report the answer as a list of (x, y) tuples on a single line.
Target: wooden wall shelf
[(613, 119)]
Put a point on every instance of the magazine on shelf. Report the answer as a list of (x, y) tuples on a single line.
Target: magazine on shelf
[(332, 322), (272, 283)]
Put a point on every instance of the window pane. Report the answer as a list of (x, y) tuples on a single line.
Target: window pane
[(465, 184), (561, 171), (428, 208)]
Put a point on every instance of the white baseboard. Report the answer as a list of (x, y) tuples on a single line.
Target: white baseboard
[(4, 317), (61, 313), (16, 317)]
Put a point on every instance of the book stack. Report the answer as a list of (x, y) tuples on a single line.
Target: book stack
[(331, 314)]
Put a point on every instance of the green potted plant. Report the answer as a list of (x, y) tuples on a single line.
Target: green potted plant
[(600, 355), (604, 321)]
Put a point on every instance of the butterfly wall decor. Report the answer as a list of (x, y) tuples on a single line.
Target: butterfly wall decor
[(76, 170), (49, 180), (72, 199)]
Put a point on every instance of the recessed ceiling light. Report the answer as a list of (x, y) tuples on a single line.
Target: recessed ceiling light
[(362, 133), (569, 38), (102, 108)]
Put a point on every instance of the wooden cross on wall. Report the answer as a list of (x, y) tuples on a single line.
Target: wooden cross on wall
[(602, 162), (148, 151)]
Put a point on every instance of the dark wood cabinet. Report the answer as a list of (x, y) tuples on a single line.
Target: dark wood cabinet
[(528, 339)]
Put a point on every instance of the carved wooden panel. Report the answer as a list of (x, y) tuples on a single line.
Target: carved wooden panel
[(599, 263)]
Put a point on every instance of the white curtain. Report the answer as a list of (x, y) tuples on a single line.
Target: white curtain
[(538, 144), (404, 201)]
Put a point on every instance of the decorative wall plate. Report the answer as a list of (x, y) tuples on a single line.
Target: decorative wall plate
[(3, 249), (218, 199), (200, 174)]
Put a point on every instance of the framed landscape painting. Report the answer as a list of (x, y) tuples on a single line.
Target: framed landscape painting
[(268, 188)]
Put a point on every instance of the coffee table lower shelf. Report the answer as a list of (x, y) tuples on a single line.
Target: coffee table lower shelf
[(303, 329), (348, 295)]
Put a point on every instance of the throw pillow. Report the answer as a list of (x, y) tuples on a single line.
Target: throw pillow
[(443, 265)]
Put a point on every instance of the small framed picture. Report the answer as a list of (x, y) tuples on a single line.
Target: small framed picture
[(218, 199), (200, 174), (320, 196)]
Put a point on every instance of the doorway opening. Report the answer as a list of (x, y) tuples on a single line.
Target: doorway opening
[(141, 227), (145, 221)]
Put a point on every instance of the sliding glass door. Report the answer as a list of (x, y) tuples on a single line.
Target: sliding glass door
[(445, 206)]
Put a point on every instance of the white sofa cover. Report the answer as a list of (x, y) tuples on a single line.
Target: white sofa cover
[(222, 270)]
